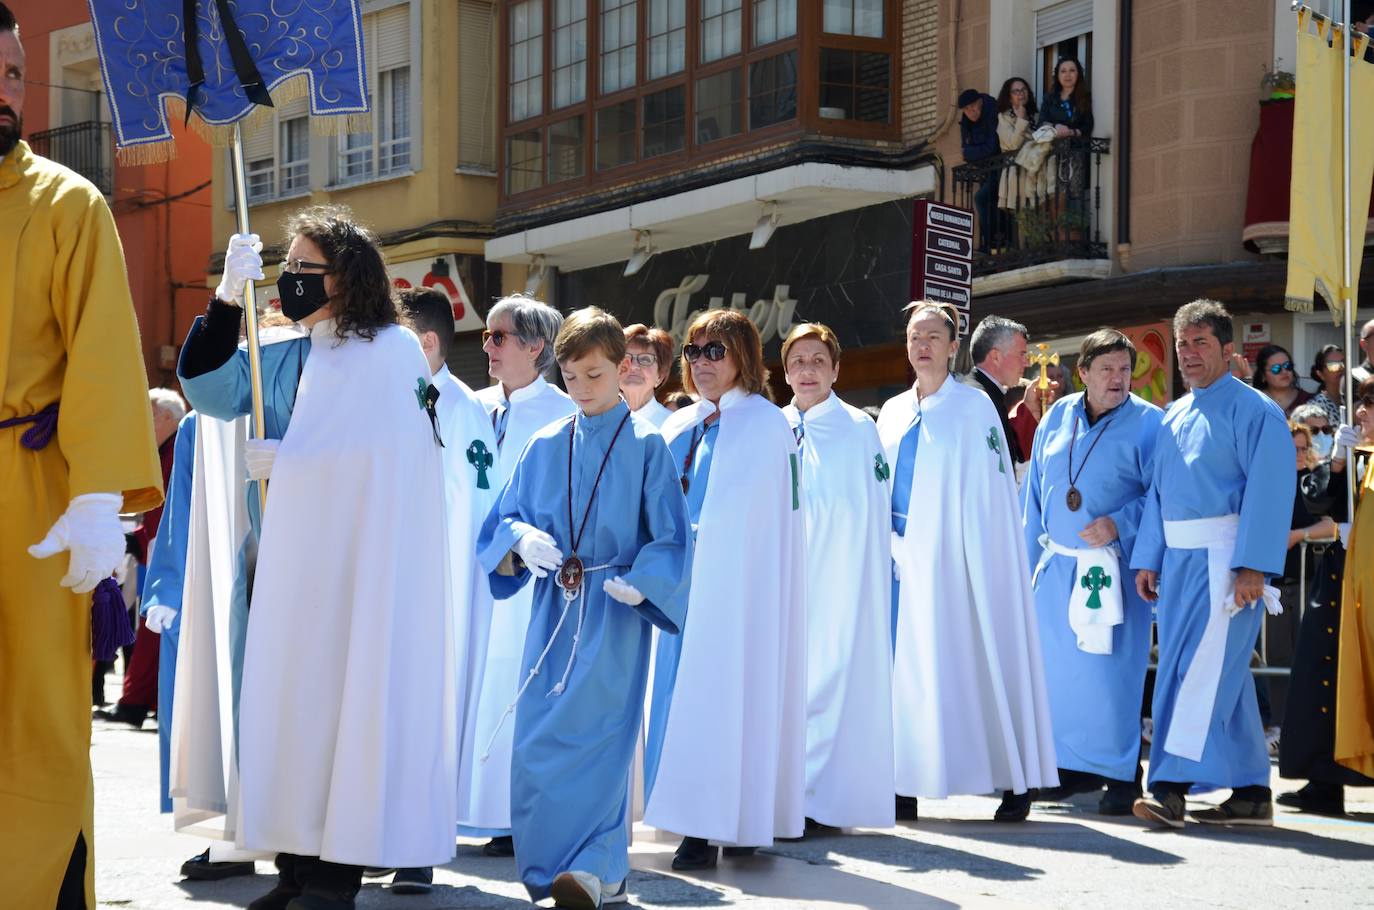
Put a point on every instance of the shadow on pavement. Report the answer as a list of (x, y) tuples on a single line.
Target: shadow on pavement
[(906, 854)]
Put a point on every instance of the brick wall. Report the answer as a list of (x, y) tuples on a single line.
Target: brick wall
[(921, 23)]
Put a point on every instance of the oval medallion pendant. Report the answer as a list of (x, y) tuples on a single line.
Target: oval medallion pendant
[(570, 575), (685, 484), (1074, 499)]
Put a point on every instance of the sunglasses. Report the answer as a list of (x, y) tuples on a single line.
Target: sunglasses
[(1334, 366), (496, 338), (643, 360), (1285, 367), (1321, 431), (714, 351)]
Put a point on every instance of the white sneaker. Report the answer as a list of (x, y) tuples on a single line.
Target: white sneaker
[(615, 894), (576, 891)]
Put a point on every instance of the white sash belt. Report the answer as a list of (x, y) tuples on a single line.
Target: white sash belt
[(1095, 599), (1198, 693)]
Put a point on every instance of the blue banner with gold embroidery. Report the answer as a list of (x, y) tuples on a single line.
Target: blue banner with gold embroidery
[(223, 58)]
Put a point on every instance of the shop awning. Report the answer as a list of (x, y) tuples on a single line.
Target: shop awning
[(798, 193)]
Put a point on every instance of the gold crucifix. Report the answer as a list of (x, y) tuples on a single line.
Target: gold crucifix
[(1043, 360)]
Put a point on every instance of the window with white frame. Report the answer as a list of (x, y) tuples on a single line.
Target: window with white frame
[(667, 37), (569, 52), (393, 149), (385, 149), (861, 18), (774, 20), (526, 59), (618, 39)]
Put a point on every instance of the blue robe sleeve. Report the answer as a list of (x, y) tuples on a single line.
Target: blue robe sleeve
[(223, 393), (1265, 445), (1148, 551), (1032, 518), (500, 531), (167, 568), (662, 569), (1128, 518)]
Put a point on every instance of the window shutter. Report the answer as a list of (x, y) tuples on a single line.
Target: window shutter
[(393, 37), (296, 107), (258, 144), (476, 83), (1063, 20)]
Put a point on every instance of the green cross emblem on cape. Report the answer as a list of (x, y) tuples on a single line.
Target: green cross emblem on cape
[(995, 443), (421, 393), (1095, 580), (796, 480), (481, 459), (880, 468)]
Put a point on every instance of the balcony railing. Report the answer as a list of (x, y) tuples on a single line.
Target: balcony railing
[(84, 147), (1035, 205)]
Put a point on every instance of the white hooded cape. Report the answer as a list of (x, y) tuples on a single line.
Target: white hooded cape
[(970, 707), (848, 510), (733, 762), (347, 719)]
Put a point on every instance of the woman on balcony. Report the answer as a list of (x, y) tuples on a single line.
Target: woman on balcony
[(1069, 110), (1069, 107), (1016, 114)]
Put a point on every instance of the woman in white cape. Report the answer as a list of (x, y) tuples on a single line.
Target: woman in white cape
[(649, 351), (969, 702), (725, 762)]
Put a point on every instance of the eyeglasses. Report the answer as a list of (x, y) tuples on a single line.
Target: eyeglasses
[(294, 266), (1020, 91), (1285, 367), (642, 360), (496, 338), (714, 351)]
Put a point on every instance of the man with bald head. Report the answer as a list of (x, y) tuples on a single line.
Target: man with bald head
[(1364, 370)]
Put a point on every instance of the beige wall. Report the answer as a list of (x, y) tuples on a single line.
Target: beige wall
[(1194, 99), (970, 71)]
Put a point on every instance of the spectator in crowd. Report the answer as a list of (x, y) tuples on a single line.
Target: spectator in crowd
[(1322, 429), (1363, 371), (978, 140), (1016, 115), (1328, 372), (1275, 377)]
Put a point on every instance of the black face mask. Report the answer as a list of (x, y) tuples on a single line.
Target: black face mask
[(302, 293)]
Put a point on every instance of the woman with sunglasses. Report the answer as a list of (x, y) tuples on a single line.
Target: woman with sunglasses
[(1328, 371), (1275, 377), (725, 761), (649, 353), (967, 679), (346, 719), (518, 341)]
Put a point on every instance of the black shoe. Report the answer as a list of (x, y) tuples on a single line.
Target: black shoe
[(322, 900), (1014, 808), (199, 869), (1071, 783), (737, 852), (276, 899), (1167, 809), (413, 881), (906, 809), (1120, 798), (1316, 798), (815, 827), (124, 714), (499, 846), (377, 871), (694, 853)]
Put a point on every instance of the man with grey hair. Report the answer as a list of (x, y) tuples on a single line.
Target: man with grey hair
[(998, 348), (519, 345), (1214, 529)]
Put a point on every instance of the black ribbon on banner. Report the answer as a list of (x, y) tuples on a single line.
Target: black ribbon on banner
[(244, 66)]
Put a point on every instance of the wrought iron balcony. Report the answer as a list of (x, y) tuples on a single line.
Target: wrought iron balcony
[(84, 147), (1035, 205)]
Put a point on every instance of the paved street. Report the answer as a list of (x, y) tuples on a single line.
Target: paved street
[(1066, 856)]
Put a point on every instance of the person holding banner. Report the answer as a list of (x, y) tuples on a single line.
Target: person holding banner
[(1214, 527), (1081, 504), (76, 449)]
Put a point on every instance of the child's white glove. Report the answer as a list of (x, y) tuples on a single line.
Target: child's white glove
[(159, 618), (539, 551), (623, 591)]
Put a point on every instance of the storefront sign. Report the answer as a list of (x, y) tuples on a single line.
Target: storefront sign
[(941, 256), (674, 310), (1255, 337)]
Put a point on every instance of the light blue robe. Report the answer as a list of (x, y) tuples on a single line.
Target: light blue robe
[(572, 751), (226, 394), (162, 587), (1094, 698), (1224, 449), (670, 646)]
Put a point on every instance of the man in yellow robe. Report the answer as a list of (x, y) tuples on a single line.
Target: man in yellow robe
[(69, 357)]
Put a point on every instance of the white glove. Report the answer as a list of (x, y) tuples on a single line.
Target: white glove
[(242, 263), (1347, 437), (159, 618), (539, 552), (621, 590), (259, 455), (91, 531)]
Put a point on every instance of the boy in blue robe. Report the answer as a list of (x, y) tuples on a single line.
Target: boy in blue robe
[(593, 511), (1215, 527)]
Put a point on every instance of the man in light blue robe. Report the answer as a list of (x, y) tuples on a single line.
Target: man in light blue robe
[(1215, 527), (1082, 501), (586, 657), (162, 588)]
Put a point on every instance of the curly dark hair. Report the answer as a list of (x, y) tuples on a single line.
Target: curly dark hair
[(1004, 97), (1319, 362), (364, 303)]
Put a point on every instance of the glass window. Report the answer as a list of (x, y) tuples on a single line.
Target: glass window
[(355, 157), (773, 90), (774, 20), (667, 37), (615, 135), (261, 179), (665, 121), (863, 18), (565, 149), (718, 106), (618, 39), (295, 155), (524, 157), (394, 116), (569, 52), (855, 86), (721, 21), (526, 59)]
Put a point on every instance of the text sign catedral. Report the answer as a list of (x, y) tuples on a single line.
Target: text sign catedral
[(941, 257)]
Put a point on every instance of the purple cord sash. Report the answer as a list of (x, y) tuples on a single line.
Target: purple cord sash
[(41, 433)]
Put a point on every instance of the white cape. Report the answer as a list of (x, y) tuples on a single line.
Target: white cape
[(347, 719), (848, 505), (485, 802), (970, 707), (732, 768)]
